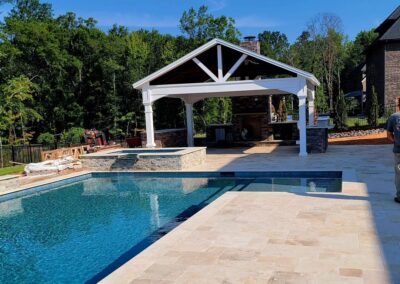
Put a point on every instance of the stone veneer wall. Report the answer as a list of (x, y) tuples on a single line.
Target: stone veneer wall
[(392, 73), (255, 107), (145, 162), (167, 138), (250, 104), (265, 128), (317, 140)]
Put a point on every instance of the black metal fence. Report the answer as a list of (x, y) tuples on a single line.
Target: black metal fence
[(23, 154)]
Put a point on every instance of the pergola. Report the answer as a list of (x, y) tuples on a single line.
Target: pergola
[(222, 69)]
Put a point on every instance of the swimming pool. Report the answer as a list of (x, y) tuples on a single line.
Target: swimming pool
[(82, 229)]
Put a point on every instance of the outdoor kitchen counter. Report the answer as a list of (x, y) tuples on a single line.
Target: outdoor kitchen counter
[(317, 139)]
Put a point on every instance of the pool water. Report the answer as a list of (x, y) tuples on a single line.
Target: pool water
[(82, 231)]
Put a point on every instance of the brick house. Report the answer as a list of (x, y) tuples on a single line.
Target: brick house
[(383, 62)]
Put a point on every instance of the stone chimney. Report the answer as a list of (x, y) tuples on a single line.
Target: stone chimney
[(251, 43)]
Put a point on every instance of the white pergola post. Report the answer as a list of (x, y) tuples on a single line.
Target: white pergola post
[(311, 109), (148, 110), (189, 124), (302, 124), (148, 113)]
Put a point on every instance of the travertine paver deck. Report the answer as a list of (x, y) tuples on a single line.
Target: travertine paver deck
[(255, 237)]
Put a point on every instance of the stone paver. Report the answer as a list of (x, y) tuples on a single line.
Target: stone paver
[(266, 237)]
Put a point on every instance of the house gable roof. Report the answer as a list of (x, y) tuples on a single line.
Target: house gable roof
[(393, 33), (308, 76), (389, 29)]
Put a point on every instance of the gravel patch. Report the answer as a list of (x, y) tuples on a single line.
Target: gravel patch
[(354, 133)]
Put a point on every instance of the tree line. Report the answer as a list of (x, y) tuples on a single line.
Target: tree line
[(59, 73)]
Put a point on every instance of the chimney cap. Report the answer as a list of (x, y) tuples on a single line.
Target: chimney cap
[(249, 38)]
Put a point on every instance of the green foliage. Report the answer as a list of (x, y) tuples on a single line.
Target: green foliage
[(15, 108), (340, 112), (73, 136), (373, 109), (218, 110), (200, 26), (274, 45), (46, 138), (354, 59)]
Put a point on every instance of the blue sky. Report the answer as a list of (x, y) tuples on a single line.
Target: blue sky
[(252, 16)]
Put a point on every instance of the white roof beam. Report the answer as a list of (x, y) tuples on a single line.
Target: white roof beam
[(288, 85), (220, 67), (205, 69), (235, 67)]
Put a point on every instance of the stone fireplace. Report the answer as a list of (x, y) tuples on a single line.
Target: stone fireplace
[(252, 114)]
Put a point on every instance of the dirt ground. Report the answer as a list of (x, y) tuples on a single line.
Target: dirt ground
[(373, 139)]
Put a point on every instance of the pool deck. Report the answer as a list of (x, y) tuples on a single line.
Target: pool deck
[(256, 237)]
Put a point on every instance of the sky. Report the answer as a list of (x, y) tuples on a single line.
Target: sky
[(251, 16)]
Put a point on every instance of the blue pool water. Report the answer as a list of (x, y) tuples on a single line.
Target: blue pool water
[(80, 230)]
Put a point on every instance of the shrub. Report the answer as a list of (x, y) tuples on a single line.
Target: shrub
[(341, 112), (373, 109), (46, 138), (73, 136)]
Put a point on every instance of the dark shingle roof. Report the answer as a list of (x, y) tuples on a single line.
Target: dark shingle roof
[(393, 32), (389, 29), (395, 15)]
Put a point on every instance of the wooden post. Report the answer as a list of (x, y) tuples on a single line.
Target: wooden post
[(12, 153)]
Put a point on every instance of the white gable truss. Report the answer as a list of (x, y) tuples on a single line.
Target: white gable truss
[(302, 84)]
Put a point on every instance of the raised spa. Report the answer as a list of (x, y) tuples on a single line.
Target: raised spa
[(145, 159)]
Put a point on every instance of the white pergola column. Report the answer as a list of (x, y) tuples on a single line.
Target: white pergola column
[(311, 110), (189, 123), (148, 110), (302, 123)]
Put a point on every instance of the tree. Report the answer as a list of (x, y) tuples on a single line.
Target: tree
[(274, 45), (200, 26), (326, 31), (373, 109), (355, 58), (341, 112), (15, 110), (25, 10)]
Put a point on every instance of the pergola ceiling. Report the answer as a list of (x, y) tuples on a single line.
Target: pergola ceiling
[(190, 72)]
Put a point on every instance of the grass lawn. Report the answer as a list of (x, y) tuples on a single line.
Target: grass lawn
[(353, 121), (11, 170)]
